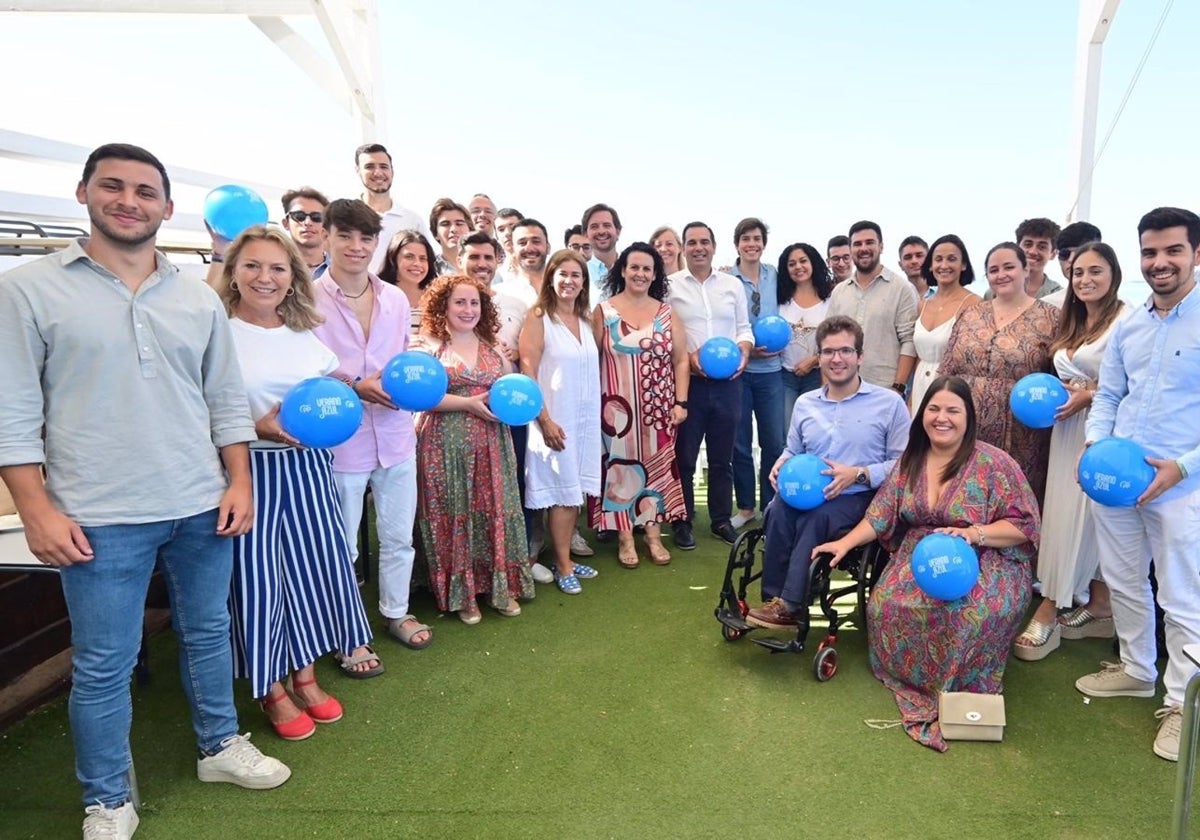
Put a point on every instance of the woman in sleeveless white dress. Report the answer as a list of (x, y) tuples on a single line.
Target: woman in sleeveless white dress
[(563, 457), (1067, 560), (947, 268)]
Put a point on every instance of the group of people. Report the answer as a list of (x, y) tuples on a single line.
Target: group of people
[(900, 382)]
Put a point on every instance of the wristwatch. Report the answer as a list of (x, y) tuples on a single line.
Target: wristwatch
[(900, 388), (681, 403), (861, 477)]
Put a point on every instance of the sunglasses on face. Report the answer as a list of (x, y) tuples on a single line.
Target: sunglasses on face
[(298, 216), (1064, 254)]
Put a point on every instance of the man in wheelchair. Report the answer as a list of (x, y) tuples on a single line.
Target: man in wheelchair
[(859, 430)]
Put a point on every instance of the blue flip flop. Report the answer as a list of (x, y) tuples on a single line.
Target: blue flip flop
[(585, 572), (569, 584)]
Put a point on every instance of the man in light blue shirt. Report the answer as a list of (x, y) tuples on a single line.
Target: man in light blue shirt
[(859, 430), (762, 388), (1149, 392), (602, 226)]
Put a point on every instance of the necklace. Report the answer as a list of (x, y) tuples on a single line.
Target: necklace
[(360, 294)]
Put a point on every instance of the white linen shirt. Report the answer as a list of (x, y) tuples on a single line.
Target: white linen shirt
[(712, 308)]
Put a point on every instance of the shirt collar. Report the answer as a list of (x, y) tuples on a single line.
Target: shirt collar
[(75, 252), (1190, 301)]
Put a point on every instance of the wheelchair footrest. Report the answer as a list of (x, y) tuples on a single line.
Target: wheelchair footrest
[(733, 619), (779, 645)]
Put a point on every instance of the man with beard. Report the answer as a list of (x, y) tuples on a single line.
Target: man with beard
[(164, 480), (373, 163), (1149, 392), (884, 305), (602, 226), (858, 429)]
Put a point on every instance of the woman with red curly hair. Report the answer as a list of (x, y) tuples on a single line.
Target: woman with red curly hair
[(472, 527)]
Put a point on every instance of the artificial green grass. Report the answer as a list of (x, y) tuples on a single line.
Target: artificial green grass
[(622, 713)]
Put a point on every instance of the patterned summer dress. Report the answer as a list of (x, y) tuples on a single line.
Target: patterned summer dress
[(991, 361), (640, 479), (921, 646), (471, 525)]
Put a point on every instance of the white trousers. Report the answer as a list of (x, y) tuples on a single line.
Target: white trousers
[(394, 490), (1127, 539)]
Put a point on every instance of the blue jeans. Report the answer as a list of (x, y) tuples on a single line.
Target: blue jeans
[(762, 396), (793, 387), (106, 600)]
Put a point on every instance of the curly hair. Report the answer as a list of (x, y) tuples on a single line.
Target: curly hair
[(436, 301), (299, 310)]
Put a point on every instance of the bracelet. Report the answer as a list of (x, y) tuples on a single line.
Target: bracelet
[(980, 538), (683, 404)]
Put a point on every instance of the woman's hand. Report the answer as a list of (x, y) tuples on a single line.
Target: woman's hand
[(968, 534), (806, 365), (268, 427), (1079, 400), (838, 548), (678, 415), (553, 434), (478, 406)]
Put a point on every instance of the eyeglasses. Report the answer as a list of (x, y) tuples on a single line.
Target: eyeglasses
[(844, 352), (299, 216), (839, 259), (755, 303), (1065, 253)]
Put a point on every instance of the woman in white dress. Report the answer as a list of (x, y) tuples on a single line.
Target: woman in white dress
[(803, 289), (947, 269), (1067, 563), (562, 461)]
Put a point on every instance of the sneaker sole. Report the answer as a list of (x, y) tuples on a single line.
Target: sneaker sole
[(1122, 692), (1161, 753), (255, 783)]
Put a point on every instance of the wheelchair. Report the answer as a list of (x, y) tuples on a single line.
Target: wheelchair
[(863, 567)]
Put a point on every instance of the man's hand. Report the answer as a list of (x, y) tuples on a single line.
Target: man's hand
[(235, 514), (370, 390), (1166, 476), (843, 476), (774, 474), (55, 539)]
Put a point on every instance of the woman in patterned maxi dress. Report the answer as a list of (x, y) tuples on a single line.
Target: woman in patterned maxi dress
[(949, 482), (643, 389), (471, 526)]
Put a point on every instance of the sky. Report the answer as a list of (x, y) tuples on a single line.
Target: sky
[(928, 117)]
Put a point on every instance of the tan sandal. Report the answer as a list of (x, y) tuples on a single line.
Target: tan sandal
[(1040, 640), (1079, 623), (659, 555), (627, 554)]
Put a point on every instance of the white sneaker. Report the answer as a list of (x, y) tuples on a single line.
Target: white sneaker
[(541, 574), (109, 823), (241, 763), (737, 520), (1170, 727), (579, 546)]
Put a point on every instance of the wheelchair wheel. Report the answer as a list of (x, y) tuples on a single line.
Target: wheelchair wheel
[(731, 634), (825, 664)]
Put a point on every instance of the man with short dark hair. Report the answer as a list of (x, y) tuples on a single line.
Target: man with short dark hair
[(373, 163), (602, 226), (577, 241), (478, 256), (366, 325), (1149, 392), (304, 220), (506, 220), (884, 305), (1038, 238), (762, 384), (859, 430), (912, 254), (837, 254), (121, 379), (710, 304)]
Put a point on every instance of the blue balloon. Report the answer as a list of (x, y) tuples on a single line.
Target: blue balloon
[(415, 381), (1035, 399), (801, 483), (230, 209), (515, 399), (1114, 472), (321, 412), (945, 566), (720, 357), (772, 333)]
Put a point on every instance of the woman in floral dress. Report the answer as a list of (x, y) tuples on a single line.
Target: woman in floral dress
[(471, 525), (643, 388), (949, 482), (996, 343)]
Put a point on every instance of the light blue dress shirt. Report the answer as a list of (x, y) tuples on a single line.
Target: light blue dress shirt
[(768, 304), (1150, 387)]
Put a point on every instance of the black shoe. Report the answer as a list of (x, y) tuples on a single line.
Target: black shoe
[(605, 536), (725, 532), (683, 535)]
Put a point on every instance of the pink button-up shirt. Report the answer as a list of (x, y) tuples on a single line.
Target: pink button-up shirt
[(386, 437)]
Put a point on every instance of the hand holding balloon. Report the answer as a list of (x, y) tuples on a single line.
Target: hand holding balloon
[(268, 427)]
